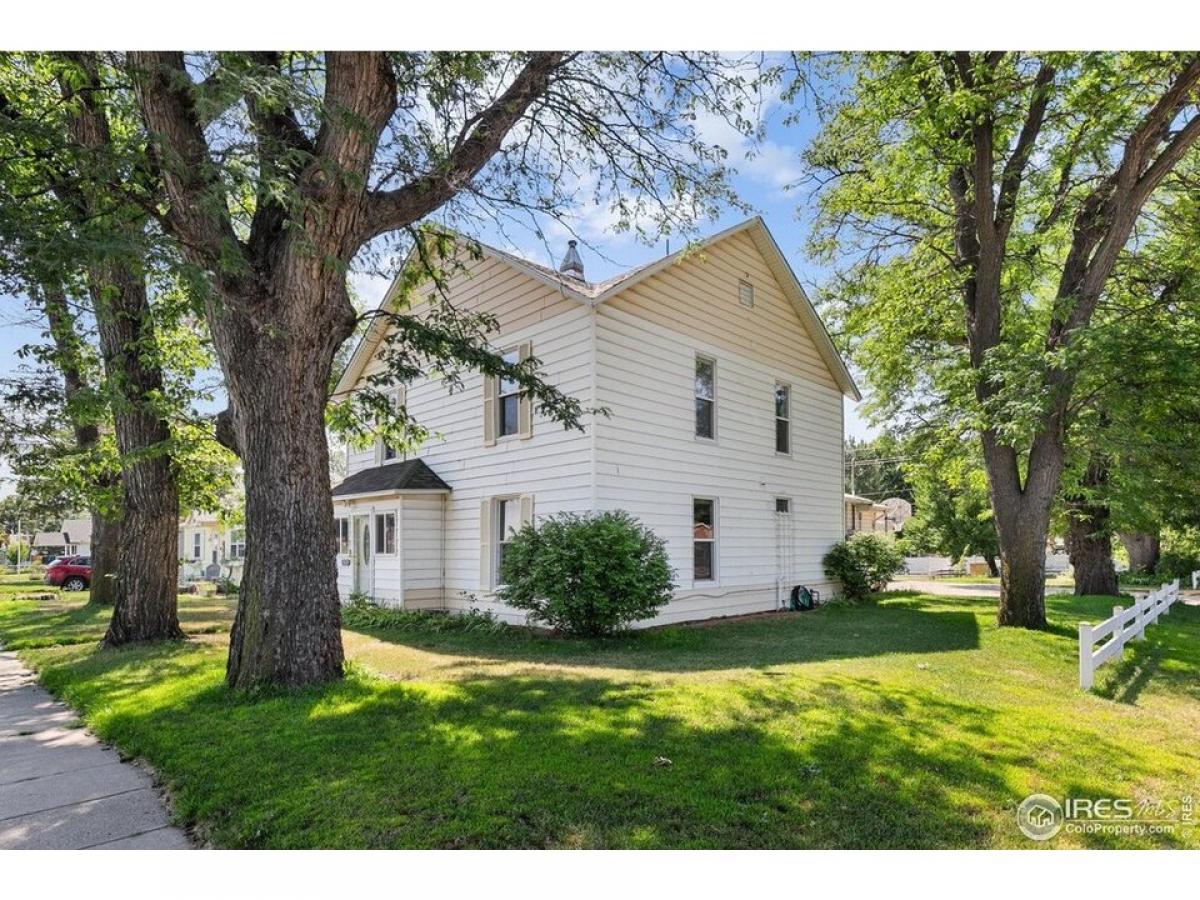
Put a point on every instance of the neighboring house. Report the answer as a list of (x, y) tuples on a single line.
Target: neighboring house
[(74, 538), (864, 514), (210, 550), (724, 433)]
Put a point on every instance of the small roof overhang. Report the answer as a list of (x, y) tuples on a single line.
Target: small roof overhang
[(407, 477)]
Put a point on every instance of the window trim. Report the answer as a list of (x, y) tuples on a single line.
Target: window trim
[(715, 542), (501, 435), (380, 535), (394, 396), (701, 357), (777, 418), (197, 546)]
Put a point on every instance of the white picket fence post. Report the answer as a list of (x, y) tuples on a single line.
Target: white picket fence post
[(1124, 626), (1196, 580)]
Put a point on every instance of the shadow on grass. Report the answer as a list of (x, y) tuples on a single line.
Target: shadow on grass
[(71, 619), (832, 632), (548, 761), (1167, 659)]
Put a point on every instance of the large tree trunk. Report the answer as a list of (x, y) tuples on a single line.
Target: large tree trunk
[(288, 625), (146, 587), (106, 547), (1143, 549), (1089, 540), (993, 568), (1022, 515)]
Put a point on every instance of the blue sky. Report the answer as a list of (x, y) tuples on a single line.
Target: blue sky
[(764, 176)]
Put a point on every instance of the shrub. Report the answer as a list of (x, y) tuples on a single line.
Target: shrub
[(362, 612), (587, 575), (863, 564)]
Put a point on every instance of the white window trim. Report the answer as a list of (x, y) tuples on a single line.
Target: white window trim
[(711, 360), (716, 543), (775, 419), (377, 534), (197, 546), (393, 395), (499, 397), (745, 283)]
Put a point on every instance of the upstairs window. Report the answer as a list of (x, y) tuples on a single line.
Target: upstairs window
[(704, 540), (196, 538), (745, 293), (385, 533), (783, 419), (237, 543), (508, 401), (706, 398), (387, 453)]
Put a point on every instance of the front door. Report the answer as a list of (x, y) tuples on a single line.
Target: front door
[(362, 554)]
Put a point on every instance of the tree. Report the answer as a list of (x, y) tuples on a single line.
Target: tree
[(76, 185), (875, 468), (322, 155), (994, 192), (953, 513)]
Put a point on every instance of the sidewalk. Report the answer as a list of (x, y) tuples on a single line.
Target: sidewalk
[(60, 788)]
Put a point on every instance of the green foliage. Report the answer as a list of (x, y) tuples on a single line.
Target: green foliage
[(587, 575), (875, 468), (1180, 555), (362, 612), (863, 564), (16, 552), (953, 510)]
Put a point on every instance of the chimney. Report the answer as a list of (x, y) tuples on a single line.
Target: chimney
[(572, 265)]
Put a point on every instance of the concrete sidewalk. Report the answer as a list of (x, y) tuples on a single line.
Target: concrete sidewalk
[(60, 788)]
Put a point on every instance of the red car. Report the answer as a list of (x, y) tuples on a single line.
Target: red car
[(71, 573)]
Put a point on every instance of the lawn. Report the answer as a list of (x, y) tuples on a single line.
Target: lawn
[(911, 722)]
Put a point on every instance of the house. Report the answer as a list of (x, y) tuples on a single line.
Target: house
[(73, 538), (210, 549), (724, 432), (864, 514)]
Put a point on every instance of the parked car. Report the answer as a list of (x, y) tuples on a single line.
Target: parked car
[(71, 573)]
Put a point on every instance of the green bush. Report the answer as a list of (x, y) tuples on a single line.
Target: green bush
[(587, 575), (1173, 564), (864, 564), (362, 612)]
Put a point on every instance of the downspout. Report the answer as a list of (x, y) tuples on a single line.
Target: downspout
[(593, 310)]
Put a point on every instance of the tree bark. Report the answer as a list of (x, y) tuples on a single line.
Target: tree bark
[(993, 568), (1089, 540), (288, 625), (1143, 550), (106, 549), (146, 582), (1022, 524)]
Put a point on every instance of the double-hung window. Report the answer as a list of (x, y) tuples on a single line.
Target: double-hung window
[(508, 401), (237, 543), (508, 522), (196, 538), (387, 452), (385, 533), (704, 540), (706, 398), (783, 418)]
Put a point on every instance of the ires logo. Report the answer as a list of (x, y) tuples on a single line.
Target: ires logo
[(1104, 808), (1040, 816)]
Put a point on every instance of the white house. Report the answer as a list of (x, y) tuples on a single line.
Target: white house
[(209, 549), (724, 435)]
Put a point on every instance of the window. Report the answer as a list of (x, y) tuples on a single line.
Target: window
[(706, 398), (237, 543), (783, 419), (385, 533), (508, 521), (704, 540), (387, 453), (181, 545), (783, 505), (343, 531), (196, 545), (745, 293), (508, 401)]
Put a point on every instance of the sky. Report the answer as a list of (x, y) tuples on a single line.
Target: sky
[(766, 177)]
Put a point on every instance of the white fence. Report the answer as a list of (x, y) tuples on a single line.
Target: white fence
[(1196, 580), (1124, 626)]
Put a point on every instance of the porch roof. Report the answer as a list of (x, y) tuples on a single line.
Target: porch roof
[(391, 478)]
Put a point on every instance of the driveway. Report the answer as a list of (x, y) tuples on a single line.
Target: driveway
[(60, 788)]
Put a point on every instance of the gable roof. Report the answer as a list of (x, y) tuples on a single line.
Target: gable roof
[(595, 293), (410, 475)]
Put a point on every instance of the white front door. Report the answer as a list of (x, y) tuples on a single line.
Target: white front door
[(362, 555)]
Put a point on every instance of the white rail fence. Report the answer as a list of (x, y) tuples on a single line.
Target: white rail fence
[(1124, 626), (1196, 580)]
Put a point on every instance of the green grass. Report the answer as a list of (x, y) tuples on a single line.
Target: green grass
[(913, 722)]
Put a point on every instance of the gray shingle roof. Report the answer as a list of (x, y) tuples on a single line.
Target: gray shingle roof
[(410, 475)]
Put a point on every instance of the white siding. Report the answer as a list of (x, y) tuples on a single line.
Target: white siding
[(650, 463)]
